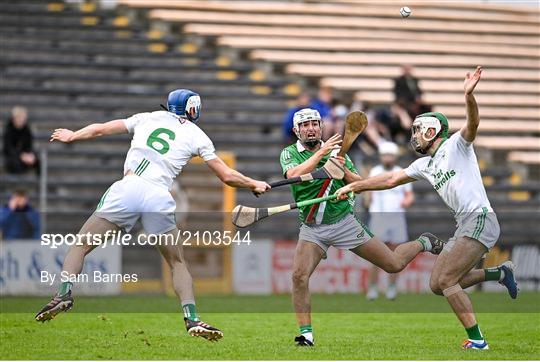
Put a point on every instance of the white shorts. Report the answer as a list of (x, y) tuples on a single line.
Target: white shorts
[(389, 227), (482, 226), (134, 198), (348, 233)]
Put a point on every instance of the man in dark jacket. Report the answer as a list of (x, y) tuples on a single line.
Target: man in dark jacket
[(19, 220), (408, 94), (18, 149), (406, 88)]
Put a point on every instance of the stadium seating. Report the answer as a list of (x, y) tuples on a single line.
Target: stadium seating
[(526, 157), (347, 34), (435, 37), (305, 52), (79, 72), (73, 65)]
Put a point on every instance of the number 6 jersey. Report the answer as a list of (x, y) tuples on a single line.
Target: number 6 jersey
[(162, 145)]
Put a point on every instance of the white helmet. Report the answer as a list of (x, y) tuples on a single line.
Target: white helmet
[(423, 123), (304, 115), (388, 148)]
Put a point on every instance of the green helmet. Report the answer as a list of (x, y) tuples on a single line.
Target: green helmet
[(435, 120), (422, 123)]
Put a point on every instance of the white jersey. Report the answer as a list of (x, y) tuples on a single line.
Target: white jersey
[(454, 173), (162, 145), (387, 200)]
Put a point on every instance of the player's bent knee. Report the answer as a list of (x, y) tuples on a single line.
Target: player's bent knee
[(456, 288), (176, 258), (392, 269), (446, 281), (394, 266), (299, 277), (435, 288)]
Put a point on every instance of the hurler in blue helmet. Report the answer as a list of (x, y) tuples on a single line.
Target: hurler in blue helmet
[(185, 104), (163, 143)]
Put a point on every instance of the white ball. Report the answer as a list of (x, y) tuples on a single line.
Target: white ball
[(405, 12)]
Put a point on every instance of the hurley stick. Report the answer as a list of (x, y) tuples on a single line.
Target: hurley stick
[(355, 123), (243, 216)]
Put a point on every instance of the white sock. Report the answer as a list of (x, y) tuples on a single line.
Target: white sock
[(426, 244)]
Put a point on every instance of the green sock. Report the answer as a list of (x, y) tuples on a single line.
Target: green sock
[(474, 333), (306, 329), (190, 311), (64, 288), (493, 273)]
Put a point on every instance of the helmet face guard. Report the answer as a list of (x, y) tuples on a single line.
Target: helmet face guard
[(185, 104), (422, 124), (415, 144), (306, 115)]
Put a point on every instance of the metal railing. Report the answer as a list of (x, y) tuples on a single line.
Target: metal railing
[(43, 190)]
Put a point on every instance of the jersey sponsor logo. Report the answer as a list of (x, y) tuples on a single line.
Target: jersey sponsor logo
[(442, 178)]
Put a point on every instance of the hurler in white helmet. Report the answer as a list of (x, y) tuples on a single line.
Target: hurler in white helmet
[(452, 170), (331, 224)]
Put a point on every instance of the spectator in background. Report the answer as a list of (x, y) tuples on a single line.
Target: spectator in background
[(387, 215), (302, 101), (408, 94), (18, 150), (394, 123), (18, 219), (371, 133), (323, 103), (406, 88), (336, 121)]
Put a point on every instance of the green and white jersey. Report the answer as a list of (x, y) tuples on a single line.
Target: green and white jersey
[(325, 212), (454, 173), (162, 145)]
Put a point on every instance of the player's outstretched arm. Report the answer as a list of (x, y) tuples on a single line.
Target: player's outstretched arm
[(234, 178), (380, 182), (351, 177), (91, 131), (468, 131)]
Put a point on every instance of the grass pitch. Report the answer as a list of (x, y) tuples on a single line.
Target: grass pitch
[(256, 328)]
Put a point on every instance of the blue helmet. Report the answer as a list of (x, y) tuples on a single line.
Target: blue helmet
[(184, 103)]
